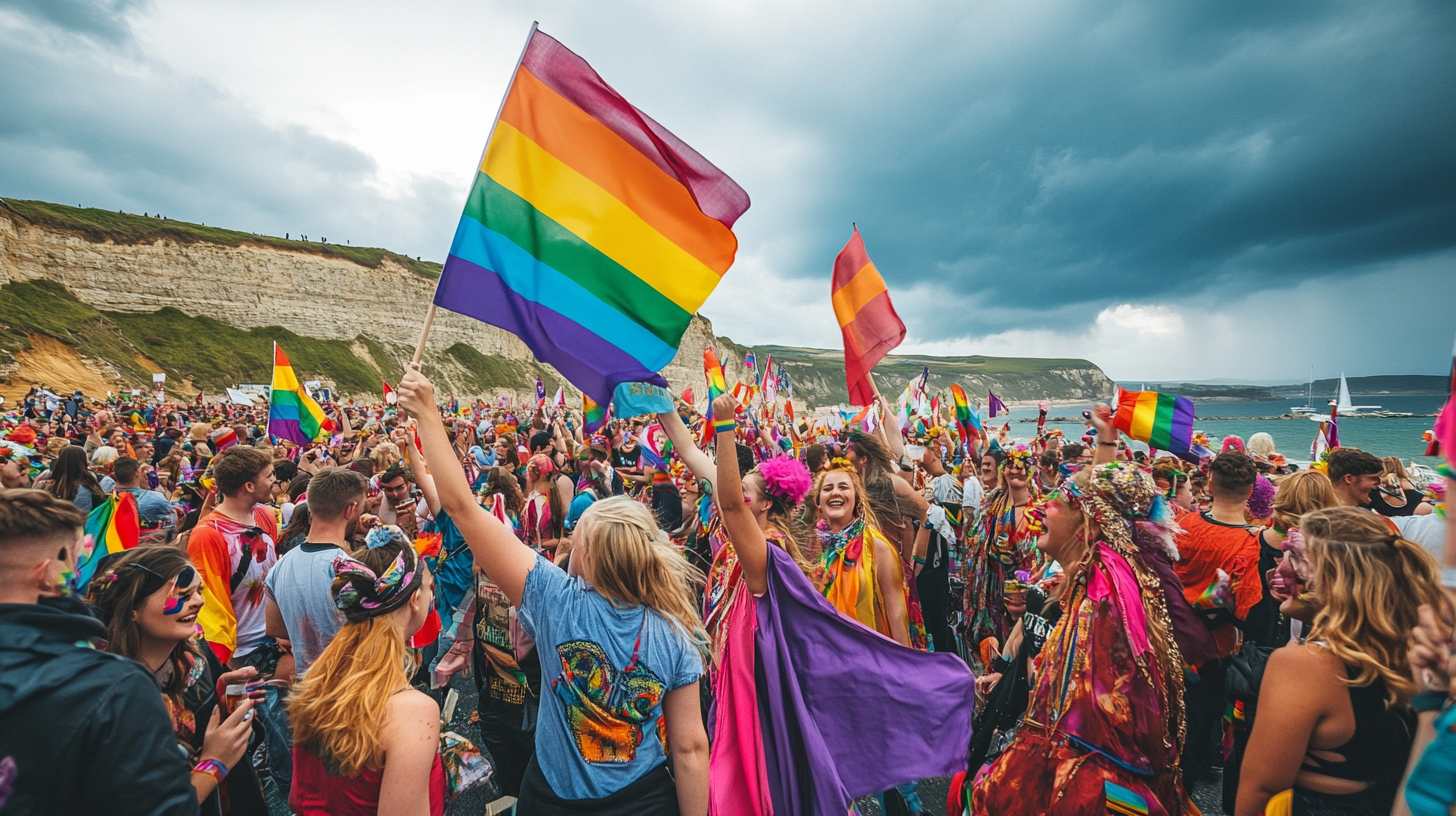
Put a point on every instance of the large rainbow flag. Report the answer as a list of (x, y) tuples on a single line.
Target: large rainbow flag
[(591, 232), (292, 413), (114, 526), (1163, 421)]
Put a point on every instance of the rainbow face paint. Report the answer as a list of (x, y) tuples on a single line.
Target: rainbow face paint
[(181, 587)]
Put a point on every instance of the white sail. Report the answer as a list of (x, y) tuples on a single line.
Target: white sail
[(1344, 406)]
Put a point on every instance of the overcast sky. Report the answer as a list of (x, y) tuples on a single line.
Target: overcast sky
[(1171, 190)]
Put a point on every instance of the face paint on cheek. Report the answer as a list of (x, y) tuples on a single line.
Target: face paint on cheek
[(173, 605)]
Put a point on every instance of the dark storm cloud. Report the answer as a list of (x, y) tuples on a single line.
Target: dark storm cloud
[(88, 124), (1157, 151)]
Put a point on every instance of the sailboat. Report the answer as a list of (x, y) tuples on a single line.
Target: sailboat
[(1307, 409), (1345, 408)]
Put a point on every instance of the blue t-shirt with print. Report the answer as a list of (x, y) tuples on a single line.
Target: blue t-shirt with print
[(600, 727), (454, 568)]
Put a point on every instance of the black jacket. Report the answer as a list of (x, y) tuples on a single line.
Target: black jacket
[(87, 730)]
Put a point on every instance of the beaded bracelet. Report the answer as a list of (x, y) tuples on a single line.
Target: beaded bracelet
[(724, 426), (212, 768)]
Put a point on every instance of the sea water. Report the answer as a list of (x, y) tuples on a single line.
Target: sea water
[(1382, 436)]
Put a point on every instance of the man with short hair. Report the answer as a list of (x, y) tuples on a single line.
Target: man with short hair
[(155, 511), (1354, 473), (1218, 565), (301, 614), (233, 547), (398, 505), (82, 731)]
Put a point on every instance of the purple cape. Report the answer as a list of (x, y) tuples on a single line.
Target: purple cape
[(847, 712)]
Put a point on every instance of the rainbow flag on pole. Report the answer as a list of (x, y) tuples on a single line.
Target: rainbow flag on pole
[(1163, 421), (292, 413), (591, 232), (114, 526)]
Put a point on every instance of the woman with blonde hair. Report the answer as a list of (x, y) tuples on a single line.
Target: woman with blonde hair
[(385, 455), (775, 635), (858, 570), (620, 642), (1335, 724), (1396, 496), (364, 741)]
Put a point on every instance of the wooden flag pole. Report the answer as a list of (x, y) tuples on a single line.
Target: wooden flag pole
[(430, 314)]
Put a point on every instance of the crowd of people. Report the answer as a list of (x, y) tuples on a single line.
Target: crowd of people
[(726, 611)]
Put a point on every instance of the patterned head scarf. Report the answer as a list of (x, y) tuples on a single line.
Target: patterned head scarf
[(361, 593)]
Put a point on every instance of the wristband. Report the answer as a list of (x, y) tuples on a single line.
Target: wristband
[(725, 426), (1428, 701), (917, 559), (212, 768), (1448, 577), (1108, 444)]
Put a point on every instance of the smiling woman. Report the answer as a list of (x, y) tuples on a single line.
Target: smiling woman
[(149, 598)]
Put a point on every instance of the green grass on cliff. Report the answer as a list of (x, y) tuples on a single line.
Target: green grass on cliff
[(123, 228), (209, 353)]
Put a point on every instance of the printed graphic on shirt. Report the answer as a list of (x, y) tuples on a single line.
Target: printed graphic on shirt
[(606, 709)]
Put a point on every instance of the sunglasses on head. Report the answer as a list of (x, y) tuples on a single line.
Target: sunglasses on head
[(181, 583)]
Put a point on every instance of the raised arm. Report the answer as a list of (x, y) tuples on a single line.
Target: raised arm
[(421, 472), (496, 549), (738, 521), (894, 440), (1106, 435), (682, 442)]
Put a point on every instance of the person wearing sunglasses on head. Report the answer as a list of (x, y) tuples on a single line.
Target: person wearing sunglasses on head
[(149, 598), (81, 731)]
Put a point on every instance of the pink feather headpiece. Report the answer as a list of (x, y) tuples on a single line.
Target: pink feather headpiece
[(786, 477)]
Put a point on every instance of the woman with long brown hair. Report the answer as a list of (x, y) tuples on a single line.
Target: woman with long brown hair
[(364, 741), (72, 480), (1335, 724), (149, 598)]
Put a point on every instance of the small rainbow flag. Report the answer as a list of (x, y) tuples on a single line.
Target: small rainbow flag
[(717, 383), (594, 416), (292, 413), (222, 439), (114, 526), (591, 232), (1163, 421), (968, 419)]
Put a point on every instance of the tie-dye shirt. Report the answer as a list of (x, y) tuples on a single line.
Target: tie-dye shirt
[(600, 727)]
